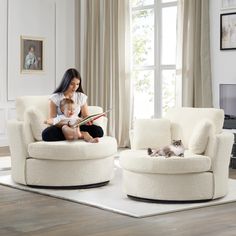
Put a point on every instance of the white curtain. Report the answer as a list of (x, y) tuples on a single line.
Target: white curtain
[(103, 59), (193, 53)]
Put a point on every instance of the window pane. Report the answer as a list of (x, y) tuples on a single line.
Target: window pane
[(138, 3), (143, 93), (168, 90), (169, 35), (143, 37)]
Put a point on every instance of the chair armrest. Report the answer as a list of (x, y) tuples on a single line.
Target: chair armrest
[(131, 137), (220, 162), (18, 149), (104, 125)]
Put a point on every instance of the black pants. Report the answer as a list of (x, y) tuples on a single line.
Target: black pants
[(54, 133)]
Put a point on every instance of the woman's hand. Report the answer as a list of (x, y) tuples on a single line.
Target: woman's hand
[(49, 121), (61, 123), (89, 123)]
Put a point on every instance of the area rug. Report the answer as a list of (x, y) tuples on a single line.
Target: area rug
[(5, 163), (111, 198)]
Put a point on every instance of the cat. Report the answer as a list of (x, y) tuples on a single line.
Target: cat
[(176, 148)]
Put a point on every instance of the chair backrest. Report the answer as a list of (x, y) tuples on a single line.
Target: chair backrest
[(183, 120), (34, 110), (41, 103), (24, 102)]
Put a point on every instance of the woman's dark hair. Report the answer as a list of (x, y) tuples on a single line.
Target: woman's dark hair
[(69, 75)]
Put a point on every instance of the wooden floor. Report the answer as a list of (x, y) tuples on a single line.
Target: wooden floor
[(24, 213)]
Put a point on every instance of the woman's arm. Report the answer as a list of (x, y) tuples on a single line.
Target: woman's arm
[(84, 110), (53, 114), (85, 113), (52, 109)]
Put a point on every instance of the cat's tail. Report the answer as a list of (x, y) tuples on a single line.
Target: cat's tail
[(149, 151)]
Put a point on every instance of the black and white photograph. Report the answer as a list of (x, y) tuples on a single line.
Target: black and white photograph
[(228, 31)]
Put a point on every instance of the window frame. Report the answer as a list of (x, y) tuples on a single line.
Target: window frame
[(158, 67)]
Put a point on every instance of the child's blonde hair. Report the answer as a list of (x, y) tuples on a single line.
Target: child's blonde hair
[(66, 101)]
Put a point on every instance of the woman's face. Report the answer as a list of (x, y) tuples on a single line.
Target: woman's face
[(74, 85)]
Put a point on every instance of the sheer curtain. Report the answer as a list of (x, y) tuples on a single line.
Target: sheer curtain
[(103, 59), (193, 53)]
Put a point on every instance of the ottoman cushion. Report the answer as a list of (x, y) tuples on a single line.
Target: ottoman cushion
[(73, 150), (139, 161)]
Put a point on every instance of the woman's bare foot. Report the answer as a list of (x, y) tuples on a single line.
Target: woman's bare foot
[(89, 138), (94, 140)]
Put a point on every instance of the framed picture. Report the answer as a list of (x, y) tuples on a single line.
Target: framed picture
[(228, 4), (32, 54), (228, 31)]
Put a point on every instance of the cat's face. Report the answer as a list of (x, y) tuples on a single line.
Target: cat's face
[(177, 142)]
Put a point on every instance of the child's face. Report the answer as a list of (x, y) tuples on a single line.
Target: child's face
[(69, 110)]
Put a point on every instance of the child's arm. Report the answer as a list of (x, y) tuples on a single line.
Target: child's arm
[(59, 121)]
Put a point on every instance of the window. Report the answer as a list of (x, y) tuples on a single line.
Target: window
[(153, 56)]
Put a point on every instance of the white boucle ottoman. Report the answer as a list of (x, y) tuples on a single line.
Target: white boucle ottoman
[(76, 163), (160, 178)]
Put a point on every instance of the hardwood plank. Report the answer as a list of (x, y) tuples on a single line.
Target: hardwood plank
[(33, 214), (25, 213)]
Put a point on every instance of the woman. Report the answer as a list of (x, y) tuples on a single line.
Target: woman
[(70, 87)]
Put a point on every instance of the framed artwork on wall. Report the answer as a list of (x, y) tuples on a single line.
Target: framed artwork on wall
[(32, 54), (228, 31), (228, 4)]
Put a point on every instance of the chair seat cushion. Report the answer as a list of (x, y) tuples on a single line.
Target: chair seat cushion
[(139, 161), (73, 150)]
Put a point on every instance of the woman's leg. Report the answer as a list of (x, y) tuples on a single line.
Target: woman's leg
[(94, 130), (52, 133), (74, 133)]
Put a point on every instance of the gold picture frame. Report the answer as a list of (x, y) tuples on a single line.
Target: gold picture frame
[(32, 54)]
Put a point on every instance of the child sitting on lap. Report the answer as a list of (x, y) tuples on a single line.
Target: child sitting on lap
[(67, 120)]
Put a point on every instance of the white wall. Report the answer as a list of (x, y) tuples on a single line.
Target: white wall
[(223, 61), (53, 20)]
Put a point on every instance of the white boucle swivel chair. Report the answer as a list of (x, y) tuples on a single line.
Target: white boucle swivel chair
[(202, 173), (56, 164)]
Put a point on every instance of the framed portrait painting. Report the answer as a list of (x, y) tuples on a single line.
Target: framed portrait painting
[(32, 54), (228, 31)]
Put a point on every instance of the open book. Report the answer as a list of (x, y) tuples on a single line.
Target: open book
[(89, 118)]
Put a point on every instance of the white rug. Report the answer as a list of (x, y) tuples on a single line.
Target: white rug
[(111, 198), (5, 163)]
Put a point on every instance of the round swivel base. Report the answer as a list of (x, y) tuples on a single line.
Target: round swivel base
[(167, 201), (87, 186)]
